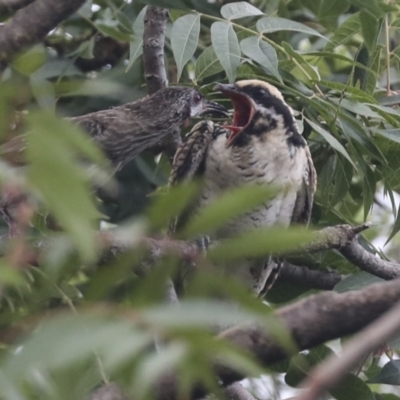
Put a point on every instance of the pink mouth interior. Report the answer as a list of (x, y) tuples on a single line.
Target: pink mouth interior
[(242, 115)]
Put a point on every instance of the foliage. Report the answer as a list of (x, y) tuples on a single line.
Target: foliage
[(74, 320)]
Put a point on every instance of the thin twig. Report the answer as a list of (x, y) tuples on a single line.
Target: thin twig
[(331, 371)]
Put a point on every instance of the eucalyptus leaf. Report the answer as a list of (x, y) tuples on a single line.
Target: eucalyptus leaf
[(226, 47), (269, 24), (207, 64), (348, 29), (263, 53), (184, 39), (136, 44), (239, 9), (389, 375)]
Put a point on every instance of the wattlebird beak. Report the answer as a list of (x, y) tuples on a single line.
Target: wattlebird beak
[(214, 108)]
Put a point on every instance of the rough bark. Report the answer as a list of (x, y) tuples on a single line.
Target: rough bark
[(31, 24), (10, 6), (310, 322), (155, 25)]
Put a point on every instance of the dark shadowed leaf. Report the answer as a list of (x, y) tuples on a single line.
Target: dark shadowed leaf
[(390, 374), (352, 387), (357, 281), (301, 364)]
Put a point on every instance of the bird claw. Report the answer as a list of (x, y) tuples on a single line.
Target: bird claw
[(203, 243)]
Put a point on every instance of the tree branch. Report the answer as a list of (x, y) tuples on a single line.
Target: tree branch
[(332, 370), (322, 280), (310, 322), (31, 24), (10, 6), (368, 262), (155, 25)]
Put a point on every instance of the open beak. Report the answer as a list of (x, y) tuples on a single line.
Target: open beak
[(213, 108), (243, 113)]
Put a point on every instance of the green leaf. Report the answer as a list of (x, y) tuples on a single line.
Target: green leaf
[(260, 243), (226, 46), (396, 227), (238, 10), (207, 64), (353, 129), (30, 61), (301, 364), (343, 176), (357, 281), (168, 358), (203, 313), (168, 204), (262, 53), (389, 375), (114, 341), (330, 9), (345, 31), (391, 134), (184, 39), (309, 71), (136, 45), (356, 93), (111, 29), (331, 140), (371, 77), (229, 205), (370, 26), (369, 189), (372, 7), (352, 387), (269, 24), (54, 173)]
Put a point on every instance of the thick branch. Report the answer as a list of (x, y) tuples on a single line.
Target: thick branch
[(368, 262), (10, 6), (330, 372), (310, 322), (155, 26), (323, 280), (31, 24)]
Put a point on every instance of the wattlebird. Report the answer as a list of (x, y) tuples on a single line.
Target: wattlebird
[(262, 146), (125, 131)]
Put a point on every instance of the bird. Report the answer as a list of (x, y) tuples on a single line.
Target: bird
[(261, 146), (124, 131)]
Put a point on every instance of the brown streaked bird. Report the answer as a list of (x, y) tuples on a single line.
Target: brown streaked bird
[(264, 147), (125, 131)]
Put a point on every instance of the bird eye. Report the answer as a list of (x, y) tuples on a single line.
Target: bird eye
[(260, 92), (197, 97)]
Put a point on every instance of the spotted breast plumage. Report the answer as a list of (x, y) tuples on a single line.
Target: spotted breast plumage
[(262, 146)]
